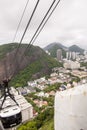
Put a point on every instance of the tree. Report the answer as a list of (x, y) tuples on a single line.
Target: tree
[(31, 125), (22, 128)]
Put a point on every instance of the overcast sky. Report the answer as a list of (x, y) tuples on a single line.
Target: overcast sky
[(67, 25)]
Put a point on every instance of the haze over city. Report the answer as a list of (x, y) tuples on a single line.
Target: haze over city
[(67, 25)]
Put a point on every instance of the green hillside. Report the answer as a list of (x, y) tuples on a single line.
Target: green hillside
[(6, 48), (33, 65), (75, 48), (53, 50), (41, 67), (43, 121), (55, 43), (49, 125)]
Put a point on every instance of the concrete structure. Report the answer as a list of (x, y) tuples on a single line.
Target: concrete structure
[(71, 65), (39, 81), (71, 109), (71, 55), (53, 75), (59, 54), (22, 91), (26, 108), (80, 74), (68, 55), (32, 83)]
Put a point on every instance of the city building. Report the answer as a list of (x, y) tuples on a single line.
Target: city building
[(71, 65), (78, 73), (59, 54), (71, 55), (68, 55), (32, 83)]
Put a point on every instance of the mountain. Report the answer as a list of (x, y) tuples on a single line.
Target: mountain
[(32, 64), (53, 44), (53, 47), (75, 48)]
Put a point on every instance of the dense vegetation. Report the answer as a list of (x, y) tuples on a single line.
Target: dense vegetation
[(53, 47), (75, 48), (53, 51), (36, 63), (55, 43), (52, 87), (49, 125), (83, 64), (6, 48), (44, 119), (39, 68), (40, 122)]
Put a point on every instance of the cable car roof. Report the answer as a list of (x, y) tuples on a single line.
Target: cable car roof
[(10, 111)]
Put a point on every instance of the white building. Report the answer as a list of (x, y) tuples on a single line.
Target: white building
[(59, 54), (68, 55), (26, 108), (71, 65), (71, 109), (53, 75), (42, 79), (73, 55), (32, 83)]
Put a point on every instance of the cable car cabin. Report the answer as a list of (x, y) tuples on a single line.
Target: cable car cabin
[(10, 116), (10, 112)]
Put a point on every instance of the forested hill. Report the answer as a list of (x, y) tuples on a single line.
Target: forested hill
[(76, 48), (34, 64), (53, 47)]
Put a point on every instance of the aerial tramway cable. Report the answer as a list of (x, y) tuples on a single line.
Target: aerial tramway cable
[(10, 114), (44, 23), (40, 25), (18, 28), (15, 118), (36, 34), (37, 31), (57, 3), (20, 21), (29, 21)]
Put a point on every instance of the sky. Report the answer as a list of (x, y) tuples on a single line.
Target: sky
[(67, 25)]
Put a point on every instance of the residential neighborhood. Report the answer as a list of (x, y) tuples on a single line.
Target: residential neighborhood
[(38, 92)]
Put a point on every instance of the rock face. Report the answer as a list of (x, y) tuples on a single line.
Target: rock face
[(12, 62), (71, 109)]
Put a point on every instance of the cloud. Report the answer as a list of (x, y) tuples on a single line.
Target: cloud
[(67, 25)]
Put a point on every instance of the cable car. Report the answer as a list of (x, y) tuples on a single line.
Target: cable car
[(10, 112), (10, 116)]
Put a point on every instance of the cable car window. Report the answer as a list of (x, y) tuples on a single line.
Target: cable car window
[(11, 120)]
